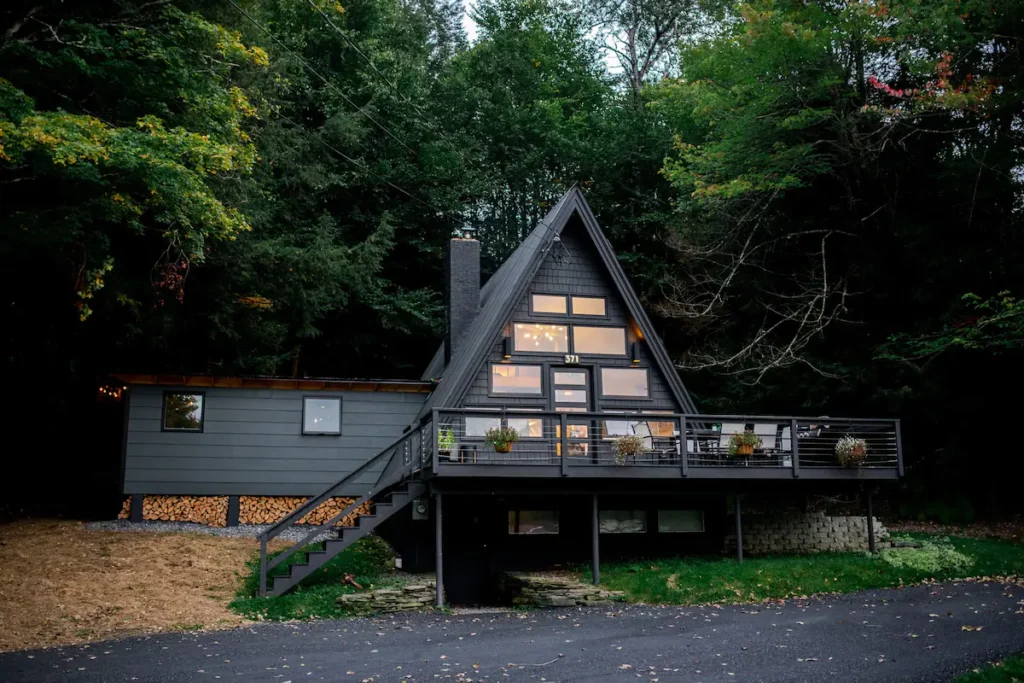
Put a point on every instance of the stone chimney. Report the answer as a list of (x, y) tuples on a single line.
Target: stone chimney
[(461, 290)]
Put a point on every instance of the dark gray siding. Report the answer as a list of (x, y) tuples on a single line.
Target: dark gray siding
[(576, 269), (252, 442)]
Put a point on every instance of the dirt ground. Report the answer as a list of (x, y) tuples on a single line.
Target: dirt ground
[(61, 583), (1010, 529)]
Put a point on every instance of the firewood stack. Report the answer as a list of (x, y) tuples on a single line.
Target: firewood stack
[(213, 510), (270, 509)]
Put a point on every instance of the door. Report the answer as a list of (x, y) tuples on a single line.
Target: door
[(572, 392)]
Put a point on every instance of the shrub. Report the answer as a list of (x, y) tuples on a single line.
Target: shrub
[(932, 557)]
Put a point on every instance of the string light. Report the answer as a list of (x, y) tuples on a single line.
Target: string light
[(112, 392)]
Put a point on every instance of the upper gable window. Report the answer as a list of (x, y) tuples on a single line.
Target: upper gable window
[(521, 380), (588, 305), (183, 412), (605, 341), (538, 338), (548, 303)]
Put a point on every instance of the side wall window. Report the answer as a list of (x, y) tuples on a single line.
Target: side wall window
[(183, 412), (532, 522), (321, 415)]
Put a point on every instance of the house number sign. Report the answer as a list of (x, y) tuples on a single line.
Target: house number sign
[(572, 359)]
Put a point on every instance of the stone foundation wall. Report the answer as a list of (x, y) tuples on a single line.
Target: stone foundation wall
[(803, 532), (411, 597), (548, 591), (213, 510)]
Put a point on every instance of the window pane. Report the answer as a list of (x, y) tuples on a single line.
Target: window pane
[(570, 396), (624, 382), (516, 379), (478, 426), (587, 305), (579, 378), (570, 409), (604, 340), (617, 428), (322, 416), (183, 411), (547, 303), (680, 521), (622, 521), (573, 431), (533, 521), (527, 426), (541, 338)]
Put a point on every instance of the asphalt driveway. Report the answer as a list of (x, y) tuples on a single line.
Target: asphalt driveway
[(924, 633)]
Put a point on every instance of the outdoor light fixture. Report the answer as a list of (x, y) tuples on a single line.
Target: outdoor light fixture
[(507, 354), (635, 346)]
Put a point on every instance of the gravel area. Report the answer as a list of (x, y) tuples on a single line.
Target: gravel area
[(241, 531)]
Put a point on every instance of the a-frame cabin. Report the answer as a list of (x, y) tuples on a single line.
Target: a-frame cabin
[(610, 455)]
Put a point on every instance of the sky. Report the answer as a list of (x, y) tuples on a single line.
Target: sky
[(468, 23)]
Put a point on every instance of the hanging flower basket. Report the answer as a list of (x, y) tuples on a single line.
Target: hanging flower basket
[(743, 444), (445, 440), (628, 446), (502, 438), (851, 451)]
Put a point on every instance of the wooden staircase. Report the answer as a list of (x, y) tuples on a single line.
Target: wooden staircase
[(397, 485)]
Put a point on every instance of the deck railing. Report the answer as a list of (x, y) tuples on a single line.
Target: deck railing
[(587, 439)]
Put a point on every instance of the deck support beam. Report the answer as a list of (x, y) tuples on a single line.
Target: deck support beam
[(739, 529), (438, 552), (595, 536), (871, 526), (135, 513)]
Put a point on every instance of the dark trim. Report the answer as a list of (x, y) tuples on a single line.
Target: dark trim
[(233, 510), (163, 412), (491, 393), (595, 540), (454, 471), (135, 513), (124, 435), (871, 525), (739, 529), (533, 311), (617, 397), (332, 397)]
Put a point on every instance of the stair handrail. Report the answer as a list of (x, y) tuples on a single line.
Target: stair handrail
[(391, 450)]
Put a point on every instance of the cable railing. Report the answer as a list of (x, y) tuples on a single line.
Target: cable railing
[(589, 439)]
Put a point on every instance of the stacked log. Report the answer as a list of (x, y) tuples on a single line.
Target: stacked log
[(208, 510), (126, 509), (270, 509)]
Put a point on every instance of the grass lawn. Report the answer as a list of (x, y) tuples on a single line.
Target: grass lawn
[(684, 581), (1008, 671), (370, 559)]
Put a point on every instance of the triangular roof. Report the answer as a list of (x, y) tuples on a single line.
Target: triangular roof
[(502, 292)]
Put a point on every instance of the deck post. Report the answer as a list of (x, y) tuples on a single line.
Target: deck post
[(233, 510), (871, 526), (135, 514), (684, 447), (595, 530), (899, 451), (263, 565), (794, 445), (739, 530), (435, 441), (564, 429), (438, 554)]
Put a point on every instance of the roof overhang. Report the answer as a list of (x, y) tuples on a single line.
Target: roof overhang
[(303, 384)]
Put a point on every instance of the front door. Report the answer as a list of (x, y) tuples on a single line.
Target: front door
[(572, 392)]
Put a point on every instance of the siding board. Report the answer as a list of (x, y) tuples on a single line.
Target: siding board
[(252, 442)]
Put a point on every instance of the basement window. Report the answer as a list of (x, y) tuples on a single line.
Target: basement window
[(622, 521), (321, 415), (680, 521), (532, 522), (183, 412)]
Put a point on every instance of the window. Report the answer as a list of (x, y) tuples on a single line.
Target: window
[(680, 521), (541, 338), (578, 378), (183, 412), (642, 427), (607, 341), (622, 521), (548, 303), (478, 426), (628, 382), (532, 522), (570, 396), (521, 380), (321, 415), (527, 427), (587, 305)]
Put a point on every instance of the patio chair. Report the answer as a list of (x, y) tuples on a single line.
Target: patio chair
[(786, 447), (769, 436)]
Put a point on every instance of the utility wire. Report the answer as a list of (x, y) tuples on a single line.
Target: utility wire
[(391, 85), (358, 109)]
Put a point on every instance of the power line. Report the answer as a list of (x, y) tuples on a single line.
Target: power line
[(359, 110), (386, 80)]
